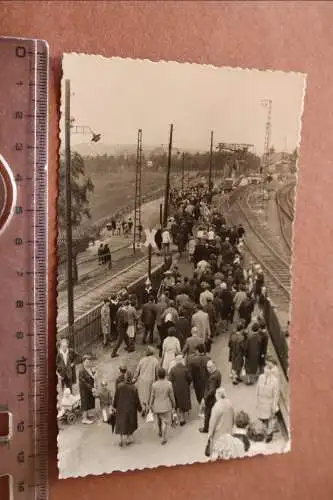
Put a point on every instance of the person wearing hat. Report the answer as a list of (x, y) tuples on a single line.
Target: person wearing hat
[(252, 354), (181, 379), (127, 404), (121, 376), (221, 423), (145, 376), (168, 281)]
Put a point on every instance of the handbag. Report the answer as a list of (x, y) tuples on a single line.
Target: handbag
[(208, 449), (175, 420), (150, 417), (112, 420)]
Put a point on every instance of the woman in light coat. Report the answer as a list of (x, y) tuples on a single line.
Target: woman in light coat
[(145, 376), (267, 395), (221, 423), (170, 349), (162, 403)]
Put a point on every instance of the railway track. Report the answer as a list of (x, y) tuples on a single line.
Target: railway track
[(92, 294), (262, 247), (277, 279), (89, 269), (285, 205)]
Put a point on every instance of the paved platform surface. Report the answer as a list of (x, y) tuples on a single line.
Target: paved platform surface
[(94, 449)]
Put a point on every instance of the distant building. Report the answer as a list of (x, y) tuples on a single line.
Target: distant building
[(282, 168)]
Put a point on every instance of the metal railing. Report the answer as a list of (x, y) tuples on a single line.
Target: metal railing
[(277, 336), (87, 328)]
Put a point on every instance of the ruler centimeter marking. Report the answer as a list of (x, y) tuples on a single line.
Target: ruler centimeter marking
[(23, 266)]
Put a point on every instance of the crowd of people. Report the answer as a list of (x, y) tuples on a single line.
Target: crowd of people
[(179, 325), (122, 227)]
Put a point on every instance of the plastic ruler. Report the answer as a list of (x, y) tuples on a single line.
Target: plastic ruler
[(23, 268)]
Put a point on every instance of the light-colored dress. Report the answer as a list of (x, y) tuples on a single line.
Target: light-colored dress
[(267, 396), (105, 319), (170, 349), (221, 423), (228, 447), (146, 375)]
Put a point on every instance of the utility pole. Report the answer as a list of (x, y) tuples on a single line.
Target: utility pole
[(137, 198), (161, 215), (183, 170), (68, 192), (210, 162), (266, 159), (167, 181)]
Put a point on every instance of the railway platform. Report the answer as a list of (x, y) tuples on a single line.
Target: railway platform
[(185, 443)]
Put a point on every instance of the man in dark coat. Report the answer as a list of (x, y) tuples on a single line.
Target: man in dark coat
[(246, 309), (127, 404), (252, 354), (100, 254), (65, 363), (210, 310), (236, 353), (158, 239), (148, 319), (122, 324), (180, 378), (107, 256), (213, 382), (114, 306), (197, 365), (227, 307), (183, 328)]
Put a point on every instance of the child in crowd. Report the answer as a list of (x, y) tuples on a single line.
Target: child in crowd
[(105, 400)]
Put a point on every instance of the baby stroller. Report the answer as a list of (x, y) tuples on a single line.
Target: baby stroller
[(70, 409)]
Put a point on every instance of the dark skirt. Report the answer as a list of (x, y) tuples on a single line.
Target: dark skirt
[(87, 400)]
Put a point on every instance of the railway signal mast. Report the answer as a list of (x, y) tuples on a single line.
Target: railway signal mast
[(167, 180), (210, 182), (267, 103), (137, 198), (71, 128)]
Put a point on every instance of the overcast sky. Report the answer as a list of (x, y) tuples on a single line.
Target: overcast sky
[(116, 96)]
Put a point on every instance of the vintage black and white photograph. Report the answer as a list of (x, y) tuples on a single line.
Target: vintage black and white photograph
[(176, 204)]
